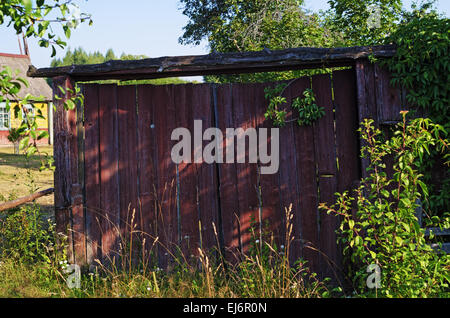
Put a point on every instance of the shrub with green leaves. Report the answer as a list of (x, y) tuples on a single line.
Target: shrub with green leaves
[(384, 230), (14, 135), (26, 236)]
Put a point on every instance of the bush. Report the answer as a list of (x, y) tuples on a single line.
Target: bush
[(25, 236), (15, 136), (384, 229)]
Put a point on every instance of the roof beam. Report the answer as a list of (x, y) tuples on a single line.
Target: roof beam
[(217, 63)]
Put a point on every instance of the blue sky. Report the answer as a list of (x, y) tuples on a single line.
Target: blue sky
[(150, 27)]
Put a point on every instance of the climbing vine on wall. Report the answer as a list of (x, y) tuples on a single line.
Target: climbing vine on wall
[(306, 107), (422, 66)]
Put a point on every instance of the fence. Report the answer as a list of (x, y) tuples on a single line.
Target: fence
[(113, 155)]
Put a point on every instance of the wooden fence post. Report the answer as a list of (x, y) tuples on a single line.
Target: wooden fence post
[(69, 212)]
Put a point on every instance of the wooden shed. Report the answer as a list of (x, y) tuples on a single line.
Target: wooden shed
[(112, 154)]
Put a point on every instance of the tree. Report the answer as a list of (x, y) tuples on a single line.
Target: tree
[(79, 56), (251, 25), (364, 22), (254, 25), (34, 19), (109, 56)]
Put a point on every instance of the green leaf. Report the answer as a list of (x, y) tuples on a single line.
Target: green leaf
[(31, 151), (43, 134), (67, 31), (24, 143), (28, 5), (351, 224)]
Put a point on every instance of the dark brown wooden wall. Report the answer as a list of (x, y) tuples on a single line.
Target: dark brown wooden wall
[(123, 173)]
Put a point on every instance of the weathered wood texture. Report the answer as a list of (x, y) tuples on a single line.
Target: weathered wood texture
[(69, 211), (130, 183), (218, 63)]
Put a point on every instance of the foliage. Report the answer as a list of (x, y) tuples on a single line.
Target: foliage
[(10, 85), (422, 66), (80, 57), (28, 246), (14, 135), (422, 63), (75, 94), (364, 22), (30, 252), (274, 95), (238, 25), (270, 271), (27, 132), (384, 230), (24, 236), (35, 19), (308, 111)]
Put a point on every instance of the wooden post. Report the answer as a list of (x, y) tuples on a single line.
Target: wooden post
[(69, 214), (366, 97)]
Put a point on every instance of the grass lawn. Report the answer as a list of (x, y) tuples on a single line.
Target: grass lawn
[(18, 176)]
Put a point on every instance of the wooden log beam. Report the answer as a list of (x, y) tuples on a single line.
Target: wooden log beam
[(217, 63), (15, 203)]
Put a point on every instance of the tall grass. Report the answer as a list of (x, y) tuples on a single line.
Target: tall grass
[(265, 271)]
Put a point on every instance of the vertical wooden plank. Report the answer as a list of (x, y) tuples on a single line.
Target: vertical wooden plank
[(206, 174), (188, 217), (147, 162), (289, 187), (62, 155), (272, 214), (92, 173), (75, 118), (366, 98), (347, 140), (130, 217), (344, 87), (389, 99), (252, 218), (109, 176), (305, 219), (389, 105), (165, 114), (69, 211), (244, 117), (78, 193), (324, 141), (228, 185)]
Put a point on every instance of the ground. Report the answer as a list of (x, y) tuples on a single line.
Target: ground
[(18, 176)]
